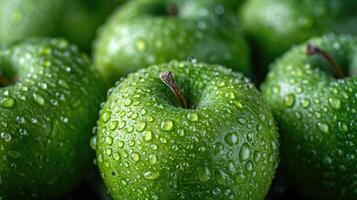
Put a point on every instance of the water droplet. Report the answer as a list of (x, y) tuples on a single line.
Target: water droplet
[(152, 159), (204, 174), (327, 160), (230, 95), (192, 117), (249, 165), (141, 126), (244, 152), (121, 124), (151, 175), (121, 144), (218, 148), (5, 136), (231, 167), (181, 132), (108, 152), (93, 142), (335, 103), (116, 156), (125, 154), (148, 136), (113, 125), (7, 102), (276, 89), (305, 103), (127, 102), (106, 116), (135, 156), (323, 127), (167, 125), (231, 138), (221, 84), (131, 143), (109, 140), (39, 99), (289, 100)]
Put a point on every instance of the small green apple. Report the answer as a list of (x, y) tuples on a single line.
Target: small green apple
[(49, 99), (76, 20), (148, 32), (276, 25), (211, 137), (315, 105)]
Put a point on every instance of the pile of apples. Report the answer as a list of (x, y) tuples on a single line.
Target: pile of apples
[(158, 99)]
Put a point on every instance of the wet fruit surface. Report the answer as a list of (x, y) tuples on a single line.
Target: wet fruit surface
[(224, 147), (46, 115), (149, 32), (318, 118), (75, 20), (276, 25)]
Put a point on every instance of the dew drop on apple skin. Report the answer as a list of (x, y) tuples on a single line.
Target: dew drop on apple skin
[(5, 136), (249, 165), (167, 125), (289, 100), (151, 175), (204, 174), (231, 138), (93, 142), (322, 126), (141, 126), (244, 152), (7, 102), (106, 116), (192, 117), (116, 156), (135, 157), (109, 140), (305, 103), (335, 103), (113, 125)]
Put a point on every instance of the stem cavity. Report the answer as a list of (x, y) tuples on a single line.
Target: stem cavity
[(335, 68), (167, 78), (172, 10), (4, 81)]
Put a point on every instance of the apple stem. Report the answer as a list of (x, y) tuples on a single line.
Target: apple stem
[(4, 81), (167, 78), (335, 68), (172, 10)]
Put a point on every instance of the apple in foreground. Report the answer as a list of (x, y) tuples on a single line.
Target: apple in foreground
[(202, 131), (148, 32), (313, 93), (49, 99)]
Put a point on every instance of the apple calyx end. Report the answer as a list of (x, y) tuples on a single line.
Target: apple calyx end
[(312, 50), (169, 81)]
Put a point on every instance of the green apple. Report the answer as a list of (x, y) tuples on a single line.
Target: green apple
[(76, 20), (148, 32), (49, 99), (275, 25), (204, 134), (315, 104)]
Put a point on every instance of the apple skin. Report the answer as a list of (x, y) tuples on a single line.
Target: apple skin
[(46, 118), (275, 25), (75, 20), (317, 118), (149, 148), (142, 33)]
